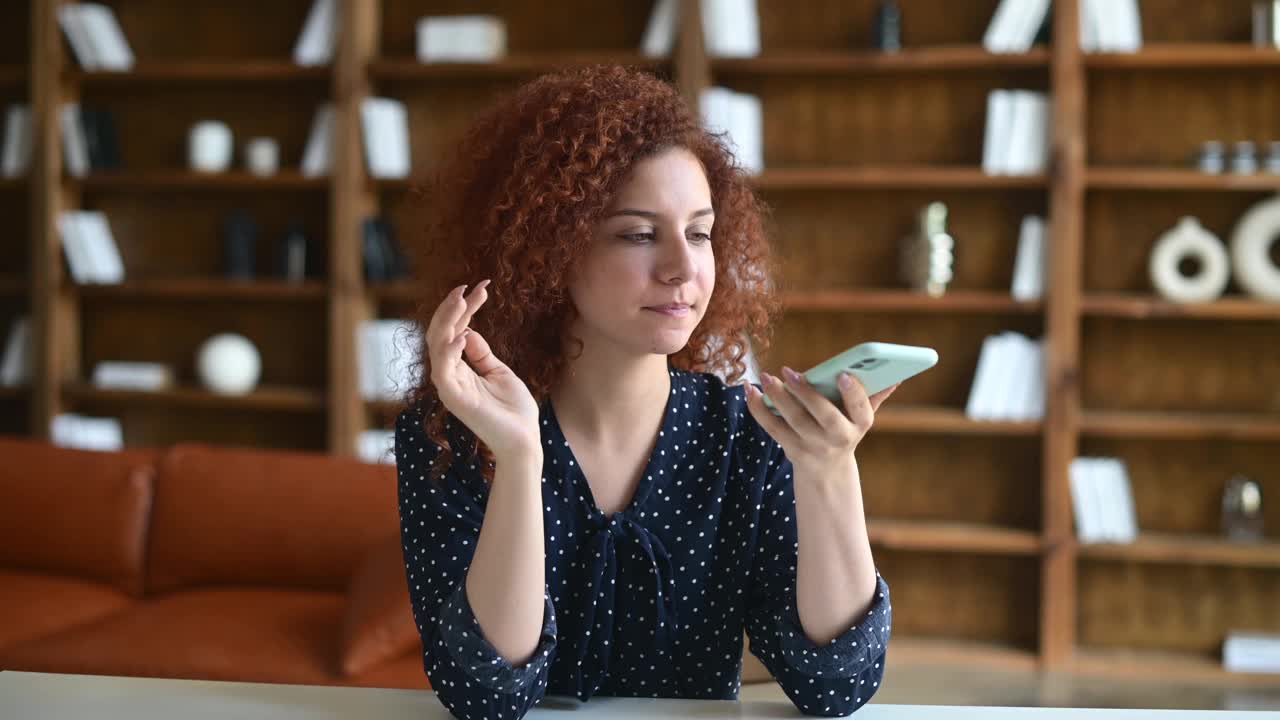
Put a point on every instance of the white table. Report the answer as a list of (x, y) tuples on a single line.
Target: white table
[(41, 696)]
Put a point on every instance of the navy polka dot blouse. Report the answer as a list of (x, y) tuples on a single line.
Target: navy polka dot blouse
[(648, 602)]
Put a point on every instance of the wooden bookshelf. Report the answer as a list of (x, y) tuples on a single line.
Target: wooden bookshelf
[(966, 515)]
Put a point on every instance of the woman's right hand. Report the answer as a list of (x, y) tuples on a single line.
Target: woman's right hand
[(479, 389)]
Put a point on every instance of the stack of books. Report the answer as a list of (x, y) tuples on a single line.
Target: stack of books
[(1008, 384), (1017, 136), (1102, 500)]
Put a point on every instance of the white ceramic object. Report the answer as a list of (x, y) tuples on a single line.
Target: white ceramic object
[(262, 156), (209, 146), (229, 364)]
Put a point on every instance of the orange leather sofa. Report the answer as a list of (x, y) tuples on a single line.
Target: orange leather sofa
[(204, 563)]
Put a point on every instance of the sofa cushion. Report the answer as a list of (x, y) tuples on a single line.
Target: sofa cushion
[(36, 605), (379, 622), (265, 518), (251, 635), (76, 513)]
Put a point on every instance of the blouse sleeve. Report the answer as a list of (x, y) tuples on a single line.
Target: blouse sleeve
[(830, 680), (439, 526)]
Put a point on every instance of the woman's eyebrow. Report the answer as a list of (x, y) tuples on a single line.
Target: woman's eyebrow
[(649, 214)]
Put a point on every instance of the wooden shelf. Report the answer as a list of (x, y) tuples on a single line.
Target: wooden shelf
[(1176, 549), (161, 180), (1179, 425), (18, 392), (929, 651), (906, 301), (384, 407), (510, 66), (953, 57), (248, 71), (12, 284), (1179, 667), (1172, 178), (9, 184), (1188, 56), (927, 419), (889, 177), (952, 537), (206, 289), (1142, 307), (264, 398)]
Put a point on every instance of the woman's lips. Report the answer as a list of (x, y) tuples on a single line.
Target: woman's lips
[(671, 310)]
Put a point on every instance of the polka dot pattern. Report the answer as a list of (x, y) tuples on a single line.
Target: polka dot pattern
[(651, 601)]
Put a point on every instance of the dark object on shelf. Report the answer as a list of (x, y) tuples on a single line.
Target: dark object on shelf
[(240, 238), (887, 35), (101, 142), (294, 255), (383, 259), (1242, 510)]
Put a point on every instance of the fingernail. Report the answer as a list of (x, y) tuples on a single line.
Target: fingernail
[(769, 379), (791, 375), (483, 284), (845, 381), (461, 289)]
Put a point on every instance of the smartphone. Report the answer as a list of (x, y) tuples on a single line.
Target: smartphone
[(878, 365)]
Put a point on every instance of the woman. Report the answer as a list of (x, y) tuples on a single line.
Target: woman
[(585, 508)]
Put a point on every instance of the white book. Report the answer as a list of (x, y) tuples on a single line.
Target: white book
[(1029, 261), (1036, 401), (377, 446), (1031, 16), (317, 157), (385, 125), (461, 38), (731, 28), (1124, 22), (978, 406), (15, 365), (16, 157), (1107, 498), (996, 139), (1251, 652), (1028, 369), (1090, 38), (108, 40), (660, 33), (1080, 505), (1096, 496), (86, 433), (1016, 377), (79, 262), (748, 123), (108, 268), (999, 35), (132, 375), (365, 345), (1023, 134), (73, 26), (75, 150), (316, 41)]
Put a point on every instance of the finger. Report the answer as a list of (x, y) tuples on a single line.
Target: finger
[(440, 329), (880, 397), (777, 428), (792, 410), (856, 402), (826, 414), (480, 355), (473, 302)]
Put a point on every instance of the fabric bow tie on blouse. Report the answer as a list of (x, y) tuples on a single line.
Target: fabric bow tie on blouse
[(590, 649)]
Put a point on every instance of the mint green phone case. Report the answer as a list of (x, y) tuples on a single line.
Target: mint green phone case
[(877, 364)]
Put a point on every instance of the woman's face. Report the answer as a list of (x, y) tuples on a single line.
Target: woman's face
[(645, 282)]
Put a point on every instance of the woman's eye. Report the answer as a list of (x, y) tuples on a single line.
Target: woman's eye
[(639, 237), (702, 237)]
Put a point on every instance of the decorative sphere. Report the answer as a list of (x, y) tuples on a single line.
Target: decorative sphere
[(229, 364)]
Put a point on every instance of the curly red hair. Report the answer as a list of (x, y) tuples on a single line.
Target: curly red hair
[(517, 199)]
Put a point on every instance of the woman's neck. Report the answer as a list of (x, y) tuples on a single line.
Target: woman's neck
[(605, 402)]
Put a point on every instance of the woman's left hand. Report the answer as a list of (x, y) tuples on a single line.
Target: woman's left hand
[(812, 430)]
